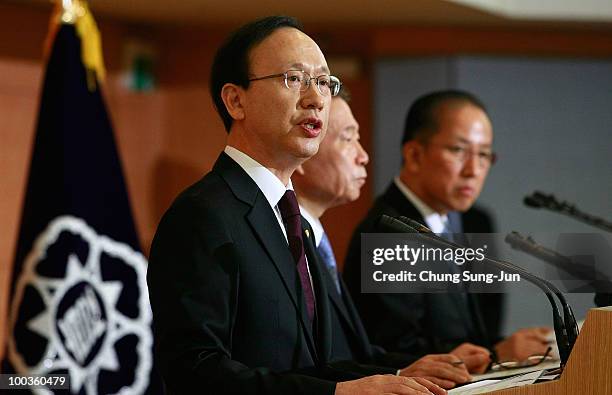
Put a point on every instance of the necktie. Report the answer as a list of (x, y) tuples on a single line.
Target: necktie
[(290, 212), (327, 254), (449, 233)]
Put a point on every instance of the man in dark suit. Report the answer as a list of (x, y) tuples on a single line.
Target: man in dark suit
[(239, 305), (447, 153), (332, 177)]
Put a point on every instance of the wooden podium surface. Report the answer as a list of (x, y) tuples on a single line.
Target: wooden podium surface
[(589, 368)]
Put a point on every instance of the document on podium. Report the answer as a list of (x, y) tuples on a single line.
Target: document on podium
[(496, 385), (513, 372)]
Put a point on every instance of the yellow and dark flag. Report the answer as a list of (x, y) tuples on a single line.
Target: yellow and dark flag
[(79, 302)]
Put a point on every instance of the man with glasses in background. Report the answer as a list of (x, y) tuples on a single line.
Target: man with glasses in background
[(447, 153), (238, 303)]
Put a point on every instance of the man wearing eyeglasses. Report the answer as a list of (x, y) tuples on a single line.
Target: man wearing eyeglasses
[(238, 303), (447, 153)]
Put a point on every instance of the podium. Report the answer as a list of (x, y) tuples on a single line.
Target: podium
[(589, 368)]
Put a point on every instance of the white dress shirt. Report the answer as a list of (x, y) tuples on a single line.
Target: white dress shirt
[(435, 221), (270, 185)]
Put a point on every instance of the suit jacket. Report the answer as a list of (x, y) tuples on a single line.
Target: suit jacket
[(420, 323), (349, 338), (228, 310)]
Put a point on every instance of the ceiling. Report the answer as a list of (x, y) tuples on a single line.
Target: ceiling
[(352, 12)]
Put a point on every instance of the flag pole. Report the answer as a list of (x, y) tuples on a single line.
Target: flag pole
[(69, 11)]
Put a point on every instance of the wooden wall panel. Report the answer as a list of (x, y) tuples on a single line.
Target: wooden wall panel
[(18, 106), (411, 41)]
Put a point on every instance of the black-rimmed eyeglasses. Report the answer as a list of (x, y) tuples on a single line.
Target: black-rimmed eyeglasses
[(533, 360), (299, 80)]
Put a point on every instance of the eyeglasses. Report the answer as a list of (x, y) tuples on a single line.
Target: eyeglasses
[(299, 80), (533, 360), (460, 154)]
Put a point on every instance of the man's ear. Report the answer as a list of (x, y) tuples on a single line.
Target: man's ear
[(412, 153), (233, 98)]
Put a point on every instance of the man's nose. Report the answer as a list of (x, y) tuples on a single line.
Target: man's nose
[(312, 98)]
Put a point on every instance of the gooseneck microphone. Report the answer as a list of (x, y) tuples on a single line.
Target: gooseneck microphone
[(565, 334), (389, 224), (529, 246), (549, 201)]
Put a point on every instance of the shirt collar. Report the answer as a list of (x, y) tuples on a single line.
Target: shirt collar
[(315, 224), (434, 220), (270, 185)]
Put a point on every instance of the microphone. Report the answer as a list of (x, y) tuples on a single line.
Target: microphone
[(531, 201), (388, 224), (565, 340), (548, 201), (529, 246)]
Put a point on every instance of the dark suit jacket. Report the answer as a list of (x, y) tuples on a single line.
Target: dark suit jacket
[(228, 312), (228, 309), (349, 338), (420, 323)]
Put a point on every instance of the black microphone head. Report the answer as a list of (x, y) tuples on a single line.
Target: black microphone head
[(514, 239), (419, 227), (389, 224), (532, 201)]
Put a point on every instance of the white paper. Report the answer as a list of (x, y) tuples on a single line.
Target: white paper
[(512, 372), (496, 385)]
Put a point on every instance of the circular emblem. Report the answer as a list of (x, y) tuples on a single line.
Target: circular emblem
[(81, 307)]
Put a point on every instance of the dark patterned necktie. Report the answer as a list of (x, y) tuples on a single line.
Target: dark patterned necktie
[(290, 211)]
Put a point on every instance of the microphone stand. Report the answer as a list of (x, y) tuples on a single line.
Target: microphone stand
[(565, 337)]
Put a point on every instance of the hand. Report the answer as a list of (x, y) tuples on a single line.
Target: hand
[(476, 358), (522, 344), (388, 384), (444, 370)]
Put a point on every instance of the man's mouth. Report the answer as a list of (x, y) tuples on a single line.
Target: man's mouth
[(312, 126)]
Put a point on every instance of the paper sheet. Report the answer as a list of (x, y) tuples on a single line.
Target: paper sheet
[(512, 372), (496, 385)]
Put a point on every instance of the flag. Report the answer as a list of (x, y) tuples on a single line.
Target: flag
[(79, 303)]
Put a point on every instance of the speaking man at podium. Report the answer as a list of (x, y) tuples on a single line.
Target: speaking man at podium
[(239, 306)]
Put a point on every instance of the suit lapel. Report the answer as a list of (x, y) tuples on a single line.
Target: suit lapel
[(341, 303), (396, 199), (353, 318), (400, 203), (265, 226), (317, 273)]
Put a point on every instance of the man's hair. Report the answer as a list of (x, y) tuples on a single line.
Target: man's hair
[(231, 63), (344, 94), (422, 118)]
